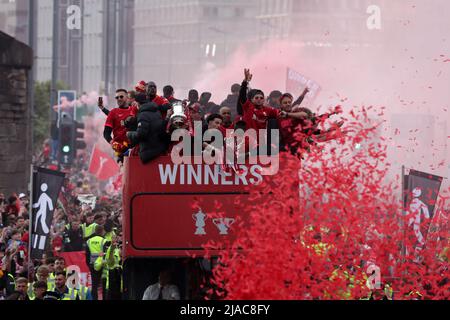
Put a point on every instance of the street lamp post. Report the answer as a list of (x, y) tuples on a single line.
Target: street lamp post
[(55, 55), (55, 63), (31, 73), (114, 43), (82, 47), (106, 44)]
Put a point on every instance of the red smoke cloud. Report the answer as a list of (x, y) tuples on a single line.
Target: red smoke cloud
[(391, 68)]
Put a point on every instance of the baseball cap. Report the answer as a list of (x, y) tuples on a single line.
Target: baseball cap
[(22, 195)]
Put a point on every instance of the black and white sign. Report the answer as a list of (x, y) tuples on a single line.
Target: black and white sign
[(46, 187), (422, 190)]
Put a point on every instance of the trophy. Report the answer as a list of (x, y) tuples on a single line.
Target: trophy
[(223, 224), (200, 219), (178, 119)]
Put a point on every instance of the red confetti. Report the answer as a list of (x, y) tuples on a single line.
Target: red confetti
[(320, 241)]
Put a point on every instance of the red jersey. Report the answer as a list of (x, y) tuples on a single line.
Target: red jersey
[(116, 119), (256, 118), (160, 101), (288, 128)]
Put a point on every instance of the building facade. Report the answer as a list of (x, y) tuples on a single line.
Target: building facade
[(313, 23), (174, 38), (168, 41), (16, 60), (96, 57), (14, 18)]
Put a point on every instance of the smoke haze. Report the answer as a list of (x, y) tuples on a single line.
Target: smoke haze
[(403, 70)]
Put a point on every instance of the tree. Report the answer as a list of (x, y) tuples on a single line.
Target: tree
[(42, 114)]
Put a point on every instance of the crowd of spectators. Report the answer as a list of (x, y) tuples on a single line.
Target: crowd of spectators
[(74, 223), (143, 120)]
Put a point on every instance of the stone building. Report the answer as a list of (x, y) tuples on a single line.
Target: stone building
[(14, 18), (16, 60)]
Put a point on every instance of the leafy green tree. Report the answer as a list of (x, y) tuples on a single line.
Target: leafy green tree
[(42, 111)]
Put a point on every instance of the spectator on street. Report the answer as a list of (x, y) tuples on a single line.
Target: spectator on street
[(73, 237), (62, 289), (22, 287), (60, 264), (39, 289)]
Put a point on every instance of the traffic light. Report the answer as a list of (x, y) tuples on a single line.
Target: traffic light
[(78, 143), (66, 132), (71, 138)]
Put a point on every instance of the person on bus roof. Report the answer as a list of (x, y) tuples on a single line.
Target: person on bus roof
[(150, 133)]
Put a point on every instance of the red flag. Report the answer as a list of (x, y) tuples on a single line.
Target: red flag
[(103, 165), (78, 260), (117, 183)]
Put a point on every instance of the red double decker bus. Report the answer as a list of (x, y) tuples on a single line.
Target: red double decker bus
[(168, 219)]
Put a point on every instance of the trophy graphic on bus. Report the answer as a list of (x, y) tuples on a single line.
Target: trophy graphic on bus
[(200, 219), (223, 224)]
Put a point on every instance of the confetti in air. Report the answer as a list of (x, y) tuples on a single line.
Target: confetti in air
[(331, 226)]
